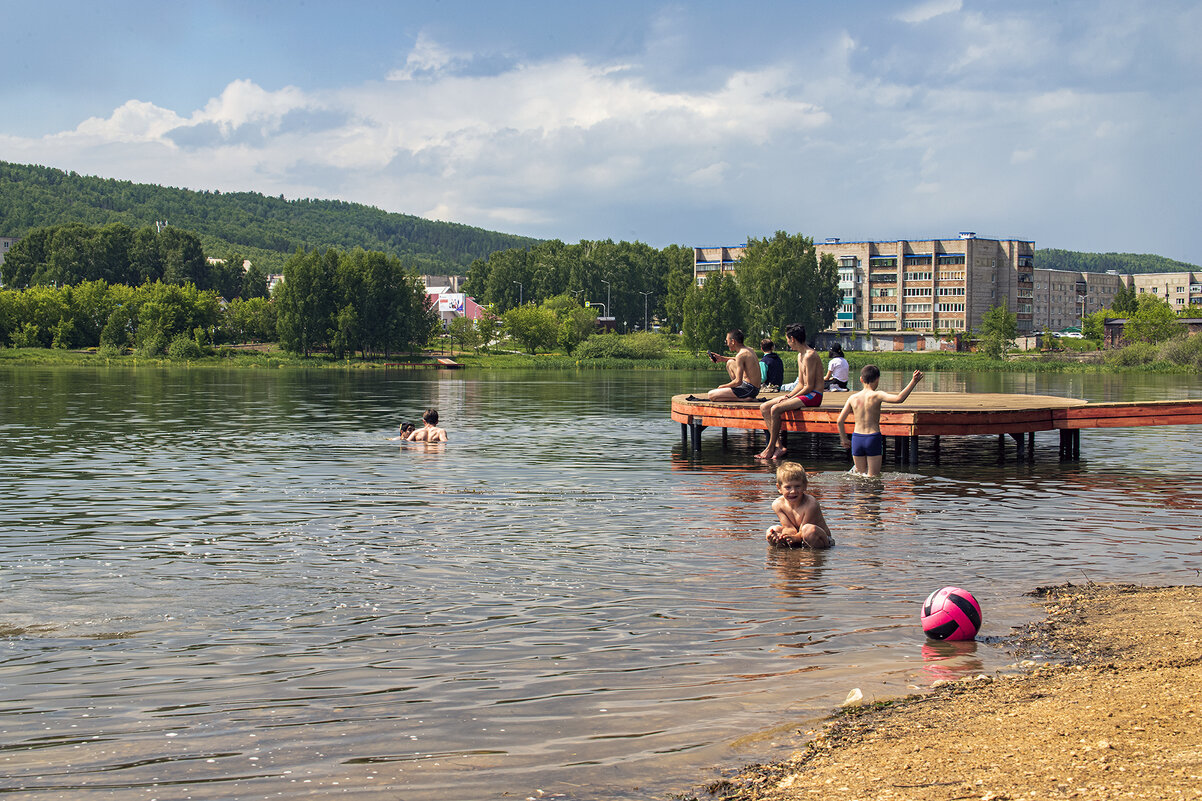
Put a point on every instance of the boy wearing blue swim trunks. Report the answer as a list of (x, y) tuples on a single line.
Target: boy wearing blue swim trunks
[(867, 443)]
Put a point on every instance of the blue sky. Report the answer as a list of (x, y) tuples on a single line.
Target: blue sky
[(1075, 124)]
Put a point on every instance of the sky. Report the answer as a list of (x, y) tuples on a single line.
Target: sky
[(1073, 124)]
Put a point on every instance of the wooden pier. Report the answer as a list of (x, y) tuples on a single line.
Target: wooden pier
[(938, 414)]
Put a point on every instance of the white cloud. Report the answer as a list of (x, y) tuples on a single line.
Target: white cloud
[(929, 10)]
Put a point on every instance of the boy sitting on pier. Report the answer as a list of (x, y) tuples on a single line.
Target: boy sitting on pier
[(867, 443), (801, 521)]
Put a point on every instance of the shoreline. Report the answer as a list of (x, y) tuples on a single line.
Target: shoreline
[(1116, 714)]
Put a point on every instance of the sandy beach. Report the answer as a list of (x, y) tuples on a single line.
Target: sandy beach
[(1108, 708)]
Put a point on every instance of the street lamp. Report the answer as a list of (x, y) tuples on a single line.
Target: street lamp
[(644, 294), (607, 298), (519, 283)]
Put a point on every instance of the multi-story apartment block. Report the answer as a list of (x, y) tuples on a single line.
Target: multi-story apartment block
[(715, 259), (949, 284), (1179, 290), (931, 284), (1063, 297)]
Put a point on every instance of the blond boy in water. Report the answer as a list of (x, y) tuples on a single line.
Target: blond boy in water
[(801, 522)]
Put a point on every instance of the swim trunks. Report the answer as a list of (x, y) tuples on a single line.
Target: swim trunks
[(745, 390), (867, 444), (812, 398)]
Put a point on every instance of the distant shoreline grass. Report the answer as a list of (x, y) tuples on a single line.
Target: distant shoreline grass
[(928, 361)]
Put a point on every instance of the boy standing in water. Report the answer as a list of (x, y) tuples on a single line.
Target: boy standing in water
[(801, 521), (431, 432), (867, 443)]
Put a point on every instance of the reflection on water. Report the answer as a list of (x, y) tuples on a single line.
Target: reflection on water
[(230, 584)]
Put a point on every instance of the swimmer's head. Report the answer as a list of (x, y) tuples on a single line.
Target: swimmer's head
[(407, 427), (870, 374), (430, 417), (791, 472)]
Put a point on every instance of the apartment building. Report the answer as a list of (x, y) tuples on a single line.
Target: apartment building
[(716, 259), (1063, 297), (1179, 290), (931, 284)]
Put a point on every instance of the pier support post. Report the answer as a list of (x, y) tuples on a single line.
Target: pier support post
[(936, 438), (1031, 446), (684, 436), (1021, 442), (723, 436), (1001, 448), (1076, 444), (897, 450), (913, 448), (696, 429)]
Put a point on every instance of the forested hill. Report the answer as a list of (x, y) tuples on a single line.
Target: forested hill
[(1052, 259), (267, 230)]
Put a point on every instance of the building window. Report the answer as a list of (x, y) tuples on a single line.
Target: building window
[(918, 276), (882, 261), (882, 325), (951, 307), (849, 261), (881, 292), (917, 261), (918, 292), (884, 308), (951, 258), (910, 308), (950, 276)]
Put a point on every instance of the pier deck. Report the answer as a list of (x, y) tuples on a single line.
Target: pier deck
[(937, 414)]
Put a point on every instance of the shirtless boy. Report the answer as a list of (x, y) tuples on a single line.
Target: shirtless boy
[(743, 369), (808, 391), (430, 432), (801, 521), (866, 443)]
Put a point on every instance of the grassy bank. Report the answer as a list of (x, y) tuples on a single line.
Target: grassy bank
[(1137, 358)]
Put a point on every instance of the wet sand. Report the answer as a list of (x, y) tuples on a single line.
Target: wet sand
[(1110, 707)]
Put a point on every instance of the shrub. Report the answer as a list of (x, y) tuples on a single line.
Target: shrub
[(184, 347), (109, 351), (646, 345), (1133, 355), (152, 346), (1183, 350), (604, 346)]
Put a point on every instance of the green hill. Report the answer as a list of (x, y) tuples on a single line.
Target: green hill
[(1053, 259), (264, 229)]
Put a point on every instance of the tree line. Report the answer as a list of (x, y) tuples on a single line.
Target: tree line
[(266, 230), (343, 302), (1077, 261), (779, 281), (74, 253)]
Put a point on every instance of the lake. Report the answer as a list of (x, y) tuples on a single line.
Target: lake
[(230, 585)]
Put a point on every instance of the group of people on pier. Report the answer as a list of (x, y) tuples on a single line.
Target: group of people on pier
[(801, 520)]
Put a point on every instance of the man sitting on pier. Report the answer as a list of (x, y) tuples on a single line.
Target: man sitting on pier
[(743, 369), (807, 392)]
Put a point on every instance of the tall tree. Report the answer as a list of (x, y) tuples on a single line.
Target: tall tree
[(712, 310), (1152, 321), (998, 329), (304, 301), (783, 282)]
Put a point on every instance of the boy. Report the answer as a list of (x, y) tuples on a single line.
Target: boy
[(405, 430), (431, 432), (743, 369), (866, 443), (801, 521), (772, 369), (807, 392)]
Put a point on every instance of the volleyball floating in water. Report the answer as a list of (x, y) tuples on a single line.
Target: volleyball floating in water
[(951, 614)]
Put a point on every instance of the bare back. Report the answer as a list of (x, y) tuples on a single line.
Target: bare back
[(866, 408)]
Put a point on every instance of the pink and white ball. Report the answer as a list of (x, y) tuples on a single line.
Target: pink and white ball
[(951, 614)]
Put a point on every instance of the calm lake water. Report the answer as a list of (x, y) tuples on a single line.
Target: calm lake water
[(229, 585)]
